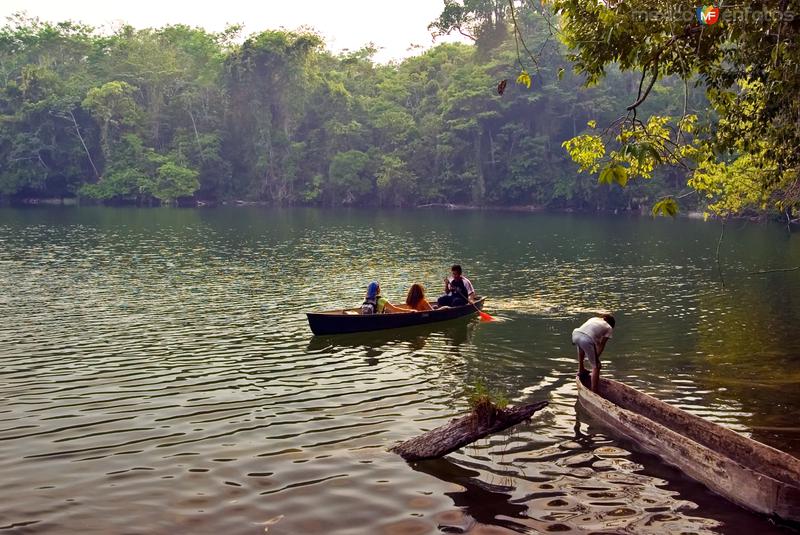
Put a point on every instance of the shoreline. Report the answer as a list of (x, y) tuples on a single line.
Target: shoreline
[(454, 207)]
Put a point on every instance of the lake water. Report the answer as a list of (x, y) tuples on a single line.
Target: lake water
[(157, 373)]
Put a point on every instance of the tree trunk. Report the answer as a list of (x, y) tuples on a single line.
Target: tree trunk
[(85, 148), (462, 431), (480, 188), (197, 136), (491, 149)]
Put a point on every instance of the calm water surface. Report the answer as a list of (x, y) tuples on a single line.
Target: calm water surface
[(157, 373)]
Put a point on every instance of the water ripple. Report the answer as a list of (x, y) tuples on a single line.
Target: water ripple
[(158, 374)]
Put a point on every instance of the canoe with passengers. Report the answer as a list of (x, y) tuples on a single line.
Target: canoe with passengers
[(746, 472), (352, 321)]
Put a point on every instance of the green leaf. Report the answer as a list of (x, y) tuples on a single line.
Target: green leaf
[(667, 206), (640, 159), (606, 175), (524, 79), (613, 173), (560, 73), (620, 175)]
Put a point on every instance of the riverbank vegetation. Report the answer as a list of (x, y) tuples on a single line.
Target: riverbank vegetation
[(161, 114)]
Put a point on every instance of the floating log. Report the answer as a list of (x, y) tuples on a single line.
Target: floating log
[(459, 432)]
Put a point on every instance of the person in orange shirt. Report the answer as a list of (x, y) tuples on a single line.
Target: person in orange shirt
[(415, 300)]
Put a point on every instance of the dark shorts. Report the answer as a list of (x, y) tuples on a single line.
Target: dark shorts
[(451, 301)]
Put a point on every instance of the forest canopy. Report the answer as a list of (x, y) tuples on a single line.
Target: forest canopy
[(162, 114)]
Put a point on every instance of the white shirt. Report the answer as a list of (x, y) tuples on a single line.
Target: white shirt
[(467, 284), (596, 329)]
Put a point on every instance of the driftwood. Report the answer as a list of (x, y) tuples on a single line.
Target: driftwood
[(462, 431)]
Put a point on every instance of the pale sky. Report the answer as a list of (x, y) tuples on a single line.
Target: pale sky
[(391, 25)]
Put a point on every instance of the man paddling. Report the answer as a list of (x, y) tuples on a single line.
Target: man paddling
[(458, 289), (590, 339)]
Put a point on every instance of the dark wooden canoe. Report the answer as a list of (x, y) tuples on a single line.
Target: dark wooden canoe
[(351, 321), (748, 473)]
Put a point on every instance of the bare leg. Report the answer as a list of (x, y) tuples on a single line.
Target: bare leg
[(581, 356), (596, 377)]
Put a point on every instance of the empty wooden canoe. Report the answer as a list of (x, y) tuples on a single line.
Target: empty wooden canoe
[(352, 321), (746, 472)]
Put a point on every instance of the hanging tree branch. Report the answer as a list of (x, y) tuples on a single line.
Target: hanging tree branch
[(85, 148), (654, 59), (719, 266), (642, 96), (518, 37)]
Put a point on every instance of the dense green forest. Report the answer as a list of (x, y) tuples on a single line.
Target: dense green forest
[(178, 113)]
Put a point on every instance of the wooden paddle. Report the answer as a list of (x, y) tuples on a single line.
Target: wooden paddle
[(483, 315)]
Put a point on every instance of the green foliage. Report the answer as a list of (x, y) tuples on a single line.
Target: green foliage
[(586, 150), (395, 181), (140, 172), (124, 184), (637, 152), (172, 113), (483, 21), (668, 206), (111, 101), (348, 177), (479, 395), (172, 181), (747, 156), (738, 186), (614, 173)]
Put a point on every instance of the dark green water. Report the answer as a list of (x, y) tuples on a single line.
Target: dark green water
[(157, 374)]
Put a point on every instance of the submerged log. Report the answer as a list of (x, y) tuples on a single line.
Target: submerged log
[(462, 431)]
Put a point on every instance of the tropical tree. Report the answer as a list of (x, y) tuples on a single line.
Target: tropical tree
[(746, 62)]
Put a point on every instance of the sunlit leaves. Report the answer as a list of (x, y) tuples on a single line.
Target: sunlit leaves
[(687, 123), (637, 150), (524, 79), (586, 150), (732, 187), (641, 156)]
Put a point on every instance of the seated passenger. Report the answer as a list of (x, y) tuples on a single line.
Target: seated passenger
[(415, 300), (375, 303)]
